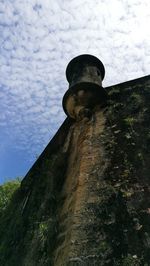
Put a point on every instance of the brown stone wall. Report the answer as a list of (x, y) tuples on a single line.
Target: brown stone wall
[(86, 201), (86, 158)]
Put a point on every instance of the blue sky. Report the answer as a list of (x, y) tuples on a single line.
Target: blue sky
[(37, 40)]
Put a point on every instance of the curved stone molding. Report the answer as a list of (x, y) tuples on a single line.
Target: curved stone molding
[(84, 74)]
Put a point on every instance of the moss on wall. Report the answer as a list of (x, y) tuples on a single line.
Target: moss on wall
[(29, 224), (115, 222), (123, 214)]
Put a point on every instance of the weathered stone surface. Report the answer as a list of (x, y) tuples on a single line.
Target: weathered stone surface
[(84, 74), (86, 164), (86, 201)]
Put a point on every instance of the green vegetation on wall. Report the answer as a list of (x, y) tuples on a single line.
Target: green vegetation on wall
[(119, 234)]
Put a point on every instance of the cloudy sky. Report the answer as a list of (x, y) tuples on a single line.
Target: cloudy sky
[(37, 40)]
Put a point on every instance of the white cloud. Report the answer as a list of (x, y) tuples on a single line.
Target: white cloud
[(38, 39)]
